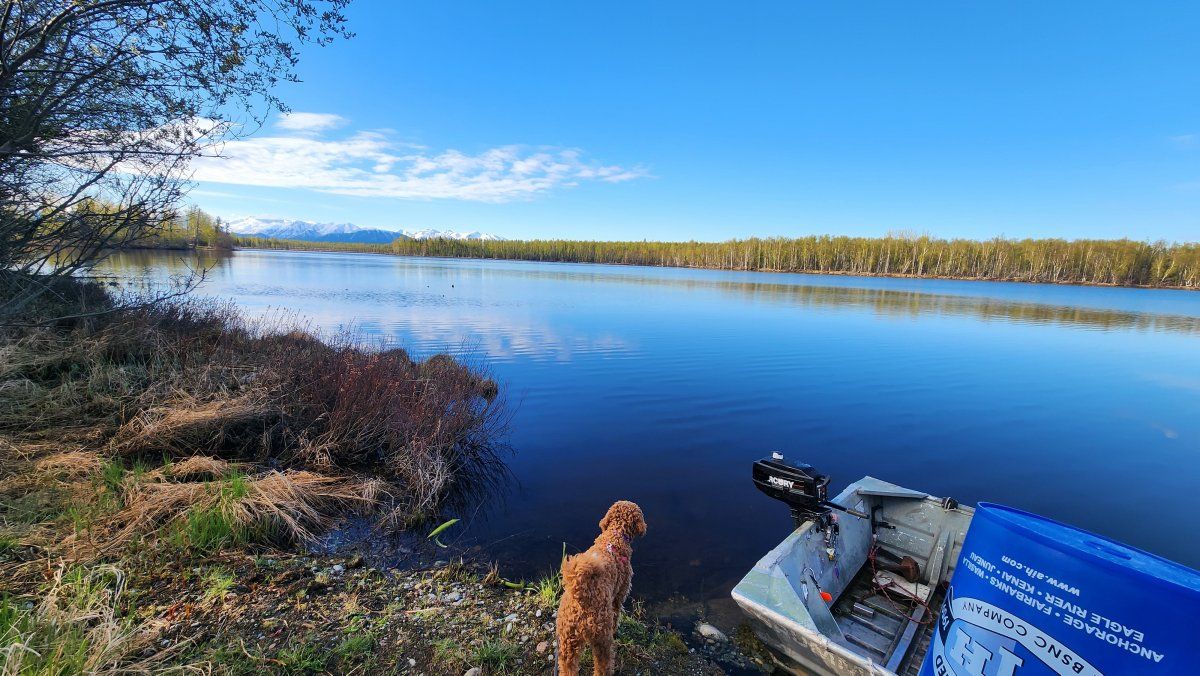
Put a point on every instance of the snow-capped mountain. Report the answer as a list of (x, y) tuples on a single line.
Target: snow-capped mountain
[(430, 233), (289, 228)]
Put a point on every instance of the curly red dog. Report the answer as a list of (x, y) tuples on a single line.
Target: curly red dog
[(595, 584)]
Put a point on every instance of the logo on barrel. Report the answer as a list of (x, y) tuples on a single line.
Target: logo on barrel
[(976, 638)]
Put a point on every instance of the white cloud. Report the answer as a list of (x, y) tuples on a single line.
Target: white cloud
[(372, 164), (309, 122), (1186, 140)]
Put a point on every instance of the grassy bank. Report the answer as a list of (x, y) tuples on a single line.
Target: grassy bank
[(1103, 262), (141, 389), (163, 469), (277, 612)]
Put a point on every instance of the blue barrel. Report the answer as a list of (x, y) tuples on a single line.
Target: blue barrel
[(1034, 596)]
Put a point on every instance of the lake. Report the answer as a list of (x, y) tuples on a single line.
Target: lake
[(663, 385)]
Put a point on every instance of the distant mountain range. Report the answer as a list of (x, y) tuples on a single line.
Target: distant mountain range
[(308, 231)]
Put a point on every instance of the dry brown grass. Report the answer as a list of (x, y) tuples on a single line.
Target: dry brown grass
[(189, 426), (194, 383), (69, 465), (197, 467), (283, 506)]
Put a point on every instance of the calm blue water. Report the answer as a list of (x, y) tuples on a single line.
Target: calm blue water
[(662, 385)]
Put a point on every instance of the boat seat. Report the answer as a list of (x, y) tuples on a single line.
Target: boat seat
[(872, 486)]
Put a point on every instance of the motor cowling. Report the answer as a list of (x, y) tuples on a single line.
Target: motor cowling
[(798, 485)]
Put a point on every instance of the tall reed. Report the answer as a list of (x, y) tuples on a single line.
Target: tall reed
[(1117, 262)]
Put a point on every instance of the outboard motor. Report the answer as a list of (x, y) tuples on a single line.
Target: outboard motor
[(801, 487), (805, 490)]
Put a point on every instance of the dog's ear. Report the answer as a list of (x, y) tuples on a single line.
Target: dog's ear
[(626, 516), (639, 524)]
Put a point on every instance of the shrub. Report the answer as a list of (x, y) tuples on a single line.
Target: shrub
[(219, 400)]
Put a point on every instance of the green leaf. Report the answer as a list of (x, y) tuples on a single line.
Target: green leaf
[(433, 535)]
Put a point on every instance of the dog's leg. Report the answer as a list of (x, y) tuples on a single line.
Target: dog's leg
[(568, 656), (602, 656), (622, 590)]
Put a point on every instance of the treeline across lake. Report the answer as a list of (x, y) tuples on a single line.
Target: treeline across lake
[(188, 230), (249, 242), (1111, 262)]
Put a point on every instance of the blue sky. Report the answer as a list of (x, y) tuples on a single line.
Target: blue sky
[(718, 120)]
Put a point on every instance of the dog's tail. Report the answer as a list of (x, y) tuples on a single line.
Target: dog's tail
[(570, 570), (576, 572), (583, 575)]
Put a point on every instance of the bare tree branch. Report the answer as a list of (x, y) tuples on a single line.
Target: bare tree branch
[(103, 103)]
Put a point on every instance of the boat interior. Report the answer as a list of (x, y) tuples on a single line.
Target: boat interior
[(878, 613), (873, 587)]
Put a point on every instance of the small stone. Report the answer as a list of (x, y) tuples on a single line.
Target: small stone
[(710, 632), (412, 662), (338, 569), (453, 596), (474, 671), (510, 618), (538, 613), (543, 647)]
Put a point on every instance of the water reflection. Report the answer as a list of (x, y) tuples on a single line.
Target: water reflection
[(913, 304), (904, 303), (159, 263), (884, 302)]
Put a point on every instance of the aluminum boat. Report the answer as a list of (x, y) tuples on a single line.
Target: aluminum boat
[(854, 589)]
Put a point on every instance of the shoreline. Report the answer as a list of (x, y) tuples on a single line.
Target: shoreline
[(160, 488), (1009, 280), (242, 611)]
